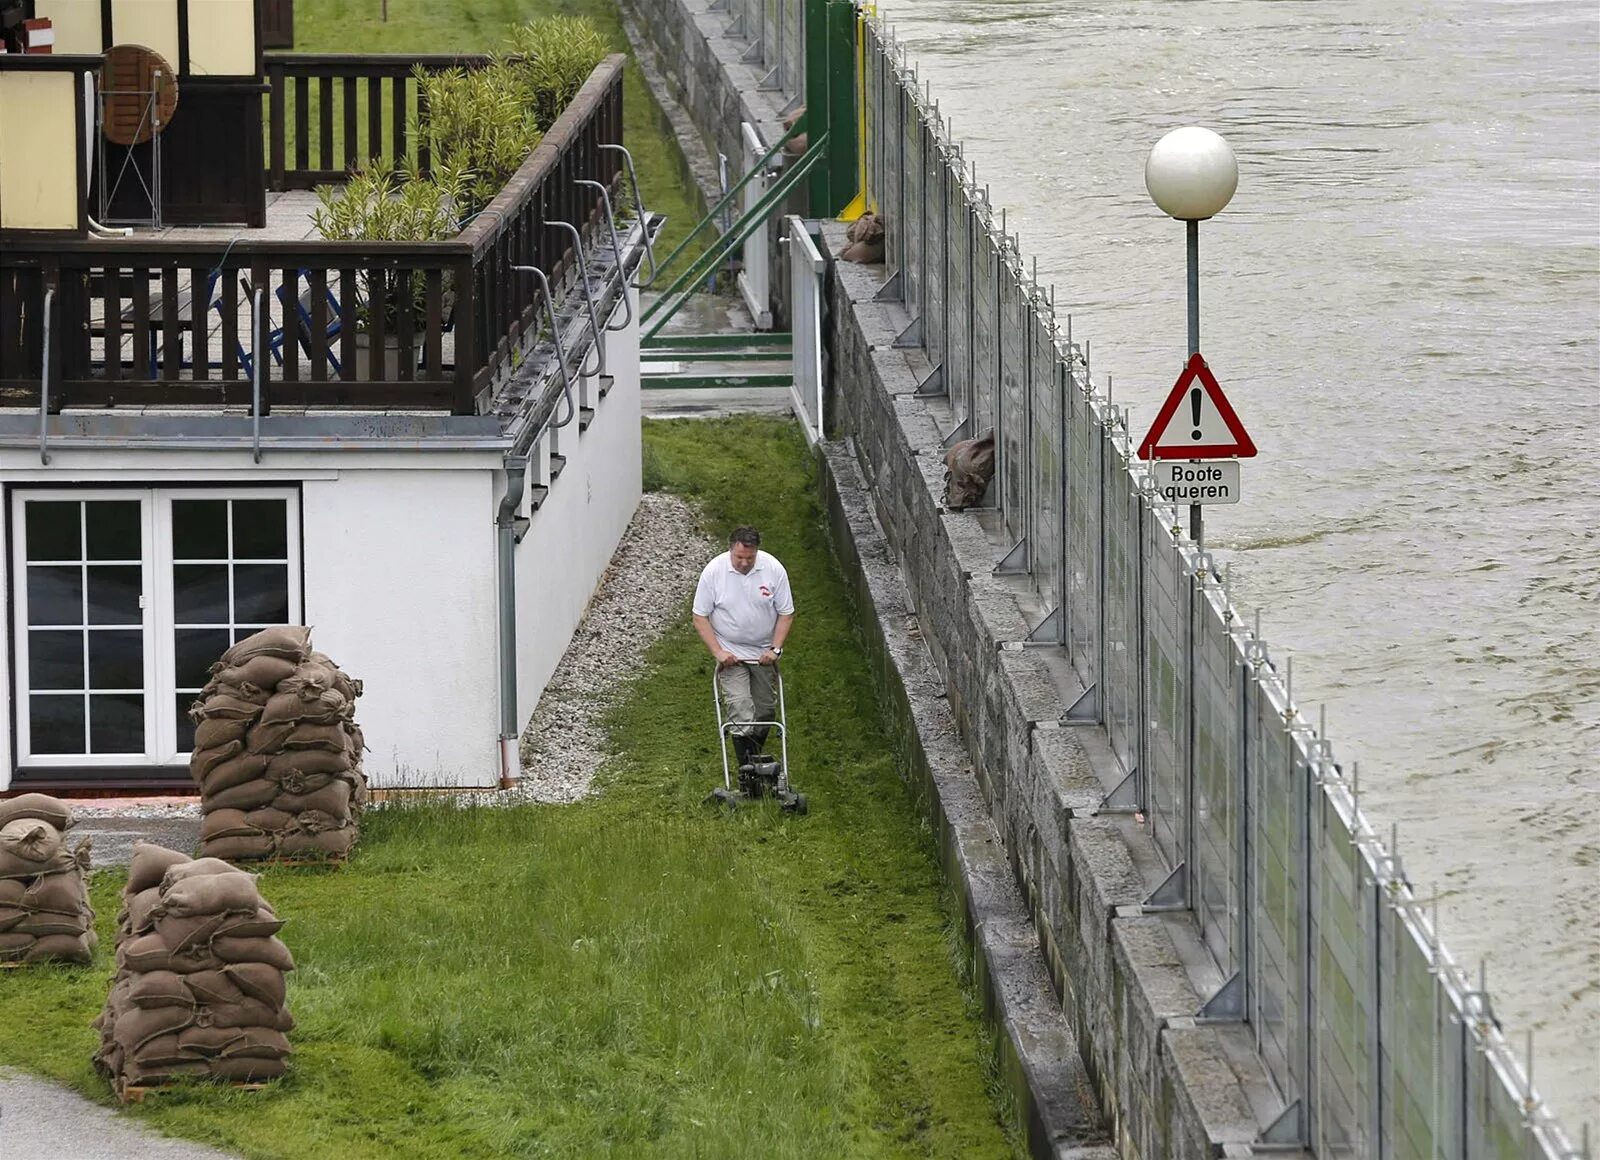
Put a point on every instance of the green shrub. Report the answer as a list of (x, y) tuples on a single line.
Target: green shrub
[(483, 122), (554, 57)]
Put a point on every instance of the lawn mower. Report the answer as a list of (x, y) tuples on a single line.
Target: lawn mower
[(760, 774)]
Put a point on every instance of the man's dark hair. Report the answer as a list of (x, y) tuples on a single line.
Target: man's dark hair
[(745, 535)]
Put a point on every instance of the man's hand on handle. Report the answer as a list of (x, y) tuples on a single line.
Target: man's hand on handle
[(768, 657), (725, 659)]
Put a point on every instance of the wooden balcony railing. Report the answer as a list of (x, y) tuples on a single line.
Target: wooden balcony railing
[(172, 322), (329, 113)]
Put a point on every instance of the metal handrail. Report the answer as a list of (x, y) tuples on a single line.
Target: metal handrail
[(555, 337), (616, 251), (638, 205), (588, 298)]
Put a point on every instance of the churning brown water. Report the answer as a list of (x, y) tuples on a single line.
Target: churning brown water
[(1403, 304)]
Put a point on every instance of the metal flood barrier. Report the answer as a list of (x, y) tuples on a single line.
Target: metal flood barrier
[(1379, 1043)]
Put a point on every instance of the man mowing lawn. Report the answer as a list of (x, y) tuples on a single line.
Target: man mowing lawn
[(742, 611)]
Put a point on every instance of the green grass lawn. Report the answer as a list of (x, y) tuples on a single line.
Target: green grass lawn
[(443, 26), (634, 975)]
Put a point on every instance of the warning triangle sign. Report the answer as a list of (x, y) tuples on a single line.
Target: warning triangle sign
[(1196, 421)]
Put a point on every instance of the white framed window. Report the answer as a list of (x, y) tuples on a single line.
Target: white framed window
[(124, 597)]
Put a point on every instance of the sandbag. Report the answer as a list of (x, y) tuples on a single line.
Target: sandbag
[(63, 892), (262, 671), (320, 663), (225, 823), (149, 866), (225, 706), (242, 849), (43, 924), (257, 981), (969, 466), (296, 735), (211, 894), (160, 989), (332, 799), (214, 734), (10, 916), (307, 763), (30, 839), (233, 1042), (291, 642), (243, 691), (137, 1026), (149, 952), (38, 806), (202, 928), (65, 948), (269, 952), (15, 866), (334, 843), (14, 946), (251, 1013), (203, 761), (251, 795), (199, 868), (234, 771), (142, 909), (327, 707)]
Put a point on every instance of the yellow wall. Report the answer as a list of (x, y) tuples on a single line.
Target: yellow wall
[(39, 152), (222, 37), (152, 23), (77, 24)]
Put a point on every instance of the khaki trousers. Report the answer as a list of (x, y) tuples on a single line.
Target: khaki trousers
[(749, 693)]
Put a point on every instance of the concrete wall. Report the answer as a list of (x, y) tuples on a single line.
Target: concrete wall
[(1170, 1086), (576, 529)]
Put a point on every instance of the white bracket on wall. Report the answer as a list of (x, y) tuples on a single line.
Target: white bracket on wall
[(933, 384), (1227, 1005), (752, 55), (893, 289), (1172, 894), (1048, 631), (1086, 711), (911, 337), (959, 432), (1285, 1132), (1124, 799), (1015, 562)]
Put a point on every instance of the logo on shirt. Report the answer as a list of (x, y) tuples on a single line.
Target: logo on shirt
[(765, 591)]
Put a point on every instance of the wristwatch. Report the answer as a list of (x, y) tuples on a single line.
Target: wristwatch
[(776, 651)]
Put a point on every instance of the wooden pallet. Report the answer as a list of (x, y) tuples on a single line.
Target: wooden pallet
[(11, 964), (136, 1093), (295, 861)]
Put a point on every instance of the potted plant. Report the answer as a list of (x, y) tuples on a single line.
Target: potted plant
[(377, 204)]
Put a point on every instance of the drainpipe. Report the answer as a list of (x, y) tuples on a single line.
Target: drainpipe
[(516, 468)]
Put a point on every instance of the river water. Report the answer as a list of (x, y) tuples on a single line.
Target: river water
[(1403, 304)]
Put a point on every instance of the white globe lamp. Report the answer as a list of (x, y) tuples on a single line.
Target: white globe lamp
[(1191, 174)]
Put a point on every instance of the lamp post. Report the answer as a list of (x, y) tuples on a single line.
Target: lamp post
[(1191, 175)]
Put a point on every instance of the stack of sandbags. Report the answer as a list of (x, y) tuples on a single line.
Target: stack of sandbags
[(44, 897), (277, 752), (199, 988)]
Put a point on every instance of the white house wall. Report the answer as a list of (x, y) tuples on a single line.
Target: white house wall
[(399, 583), (573, 535), (399, 587)]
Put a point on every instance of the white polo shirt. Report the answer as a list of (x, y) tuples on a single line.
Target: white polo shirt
[(744, 609)]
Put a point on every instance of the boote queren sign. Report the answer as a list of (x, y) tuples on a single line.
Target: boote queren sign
[(1197, 422)]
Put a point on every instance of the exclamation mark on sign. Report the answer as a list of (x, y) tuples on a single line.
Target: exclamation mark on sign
[(1194, 407)]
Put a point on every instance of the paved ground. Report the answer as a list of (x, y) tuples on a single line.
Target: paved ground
[(114, 836), (716, 403), (40, 1119)]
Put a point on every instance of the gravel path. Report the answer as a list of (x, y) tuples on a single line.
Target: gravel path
[(42, 1119), (654, 569)]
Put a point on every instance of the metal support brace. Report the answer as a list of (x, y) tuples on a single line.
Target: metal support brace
[(1047, 631), (1015, 562), (911, 337), (44, 380), (892, 290), (1085, 710), (963, 430), (1124, 799), (770, 82), (752, 55), (934, 383), (736, 26), (1285, 1131), (1173, 893), (1227, 1005)]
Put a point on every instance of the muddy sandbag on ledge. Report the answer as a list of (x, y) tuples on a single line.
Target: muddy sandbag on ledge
[(199, 989), (277, 752), (44, 891)]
